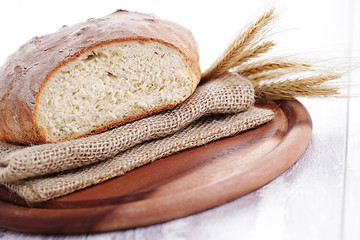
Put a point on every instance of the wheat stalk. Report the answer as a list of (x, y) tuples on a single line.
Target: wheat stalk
[(315, 86), (246, 41), (273, 78), (271, 74), (271, 64), (254, 53)]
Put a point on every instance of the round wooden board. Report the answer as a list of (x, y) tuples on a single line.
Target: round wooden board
[(175, 186)]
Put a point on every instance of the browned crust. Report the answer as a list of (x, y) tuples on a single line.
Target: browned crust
[(25, 72)]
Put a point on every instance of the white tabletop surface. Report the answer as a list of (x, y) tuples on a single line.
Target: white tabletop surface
[(318, 197)]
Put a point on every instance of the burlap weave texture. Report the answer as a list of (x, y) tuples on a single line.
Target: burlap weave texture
[(219, 108)]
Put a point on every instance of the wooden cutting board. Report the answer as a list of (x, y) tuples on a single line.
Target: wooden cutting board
[(175, 186)]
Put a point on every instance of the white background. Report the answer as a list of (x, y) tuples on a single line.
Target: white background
[(309, 25), (319, 197)]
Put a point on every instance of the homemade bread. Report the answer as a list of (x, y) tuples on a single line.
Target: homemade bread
[(95, 75)]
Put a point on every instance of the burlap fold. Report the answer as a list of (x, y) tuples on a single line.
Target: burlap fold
[(219, 108)]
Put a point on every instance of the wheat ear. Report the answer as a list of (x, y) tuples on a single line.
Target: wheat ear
[(242, 47), (272, 64), (314, 86), (254, 53)]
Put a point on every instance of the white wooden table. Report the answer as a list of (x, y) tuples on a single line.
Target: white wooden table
[(317, 198)]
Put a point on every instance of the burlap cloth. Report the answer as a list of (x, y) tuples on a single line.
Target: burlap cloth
[(219, 108)]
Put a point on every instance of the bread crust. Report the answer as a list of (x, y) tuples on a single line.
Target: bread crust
[(25, 72)]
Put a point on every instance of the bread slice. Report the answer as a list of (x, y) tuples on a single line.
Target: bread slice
[(95, 75)]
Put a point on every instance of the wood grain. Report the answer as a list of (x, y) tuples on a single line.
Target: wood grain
[(176, 186)]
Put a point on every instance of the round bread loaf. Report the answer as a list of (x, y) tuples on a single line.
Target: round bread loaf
[(95, 75)]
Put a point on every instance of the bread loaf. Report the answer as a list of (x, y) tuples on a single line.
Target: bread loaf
[(95, 75)]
